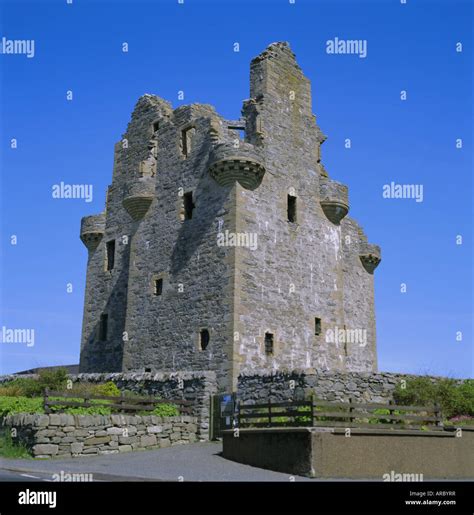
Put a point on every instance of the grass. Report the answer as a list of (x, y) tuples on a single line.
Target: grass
[(10, 449), (13, 405)]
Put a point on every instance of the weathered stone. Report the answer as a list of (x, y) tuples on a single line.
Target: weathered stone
[(66, 419), (97, 440), (76, 448), (54, 419), (46, 432), (115, 431), (298, 281), (127, 439), (42, 421), (125, 448), (45, 449), (155, 429), (90, 450), (81, 433), (42, 439), (147, 440)]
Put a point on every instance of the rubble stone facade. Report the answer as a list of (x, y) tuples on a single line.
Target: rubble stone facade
[(223, 252)]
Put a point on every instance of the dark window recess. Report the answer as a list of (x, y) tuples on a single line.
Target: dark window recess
[(188, 205), (147, 369), (291, 208), (204, 339), (317, 326), (186, 139), (110, 255), (158, 286), (104, 320), (156, 126), (268, 343)]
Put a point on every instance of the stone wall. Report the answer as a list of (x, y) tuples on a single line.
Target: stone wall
[(331, 386), (195, 387), (65, 436)]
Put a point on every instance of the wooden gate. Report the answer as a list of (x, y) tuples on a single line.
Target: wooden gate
[(223, 408)]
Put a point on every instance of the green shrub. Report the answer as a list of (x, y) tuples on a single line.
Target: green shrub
[(11, 390), (13, 405), (108, 389), (55, 379), (164, 410), (33, 387), (22, 387), (82, 389), (454, 399), (92, 410)]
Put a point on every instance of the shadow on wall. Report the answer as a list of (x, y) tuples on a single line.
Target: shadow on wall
[(193, 231), (107, 355)]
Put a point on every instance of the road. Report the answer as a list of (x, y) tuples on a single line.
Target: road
[(192, 462)]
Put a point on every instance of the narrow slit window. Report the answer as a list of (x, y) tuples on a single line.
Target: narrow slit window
[(186, 140), (204, 338), (110, 255), (188, 205), (317, 326), (156, 126), (103, 327), (158, 287), (292, 208), (268, 343)]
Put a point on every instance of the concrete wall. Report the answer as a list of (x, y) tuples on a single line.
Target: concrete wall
[(65, 436), (365, 454)]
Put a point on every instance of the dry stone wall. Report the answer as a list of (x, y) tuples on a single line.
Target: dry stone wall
[(65, 436), (331, 386)]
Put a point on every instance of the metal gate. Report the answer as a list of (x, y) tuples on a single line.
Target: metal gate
[(222, 414)]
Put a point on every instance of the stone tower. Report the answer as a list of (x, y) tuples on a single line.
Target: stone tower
[(224, 244)]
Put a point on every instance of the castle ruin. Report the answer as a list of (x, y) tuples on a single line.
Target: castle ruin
[(224, 244)]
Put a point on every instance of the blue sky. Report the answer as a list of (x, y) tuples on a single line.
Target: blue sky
[(190, 47)]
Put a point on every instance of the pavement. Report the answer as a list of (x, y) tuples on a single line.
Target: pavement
[(190, 462)]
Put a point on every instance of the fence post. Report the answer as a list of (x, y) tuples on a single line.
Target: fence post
[(269, 413), (390, 411), (438, 415), (45, 400), (312, 411), (351, 418)]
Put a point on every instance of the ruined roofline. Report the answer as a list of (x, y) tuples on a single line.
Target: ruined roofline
[(275, 50), (157, 101)]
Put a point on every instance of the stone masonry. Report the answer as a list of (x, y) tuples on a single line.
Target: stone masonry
[(65, 436), (377, 387), (228, 253)]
